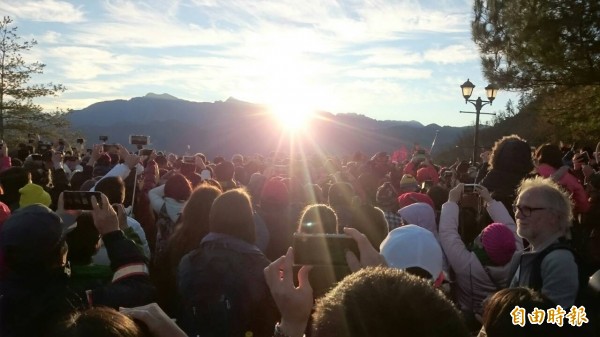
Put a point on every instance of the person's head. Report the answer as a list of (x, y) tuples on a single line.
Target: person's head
[(232, 214), (224, 171), (495, 245), (274, 195), (178, 187), (511, 154), (408, 183), (420, 214), (12, 180), (195, 221), (316, 219), (83, 241), (542, 210), (387, 198), (113, 188), (33, 240), (340, 195), (370, 221), (237, 159), (313, 194), (497, 319), (98, 322), (386, 302), (415, 250), (549, 154)]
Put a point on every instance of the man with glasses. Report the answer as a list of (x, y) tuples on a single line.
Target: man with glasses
[(543, 216)]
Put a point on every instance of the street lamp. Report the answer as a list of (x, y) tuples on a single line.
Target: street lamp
[(467, 90)]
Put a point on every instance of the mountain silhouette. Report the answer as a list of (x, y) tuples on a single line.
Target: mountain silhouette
[(234, 126)]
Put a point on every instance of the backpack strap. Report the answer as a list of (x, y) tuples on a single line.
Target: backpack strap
[(535, 281)]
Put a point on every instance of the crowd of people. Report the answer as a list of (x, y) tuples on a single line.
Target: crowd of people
[(183, 245)]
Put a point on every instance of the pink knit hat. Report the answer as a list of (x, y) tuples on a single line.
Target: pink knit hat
[(499, 243)]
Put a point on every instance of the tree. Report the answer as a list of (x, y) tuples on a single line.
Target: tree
[(18, 114), (548, 50)]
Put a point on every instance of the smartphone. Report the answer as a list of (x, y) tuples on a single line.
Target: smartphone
[(146, 152), (323, 249), (79, 140), (138, 140), (469, 188), (80, 200), (189, 159), (427, 184), (109, 147), (103, 138)]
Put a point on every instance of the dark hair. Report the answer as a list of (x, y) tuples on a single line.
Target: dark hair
[(497, 320), (549, 154), (12, 179), (370, 221), (113, 188), (366, 303), (224, 171), (195, 223), (511, 153), (98, 322), (178, 187), (83, 240), (232, 214), (317, 219), (340, 194)]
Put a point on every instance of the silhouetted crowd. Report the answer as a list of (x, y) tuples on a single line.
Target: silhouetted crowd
[(108, 242)]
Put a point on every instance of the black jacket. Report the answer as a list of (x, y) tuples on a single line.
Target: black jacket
[(31, 304)]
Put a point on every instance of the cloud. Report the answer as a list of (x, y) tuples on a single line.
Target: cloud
[(390, 73), (43, 10), (452, 54)]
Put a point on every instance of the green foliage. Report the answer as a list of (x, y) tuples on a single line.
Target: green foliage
[(18, 114), (550, 52)]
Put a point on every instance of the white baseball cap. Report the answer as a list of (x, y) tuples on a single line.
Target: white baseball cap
[(413, 246)]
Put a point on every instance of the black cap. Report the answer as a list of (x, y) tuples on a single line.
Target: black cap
[(33, 233)]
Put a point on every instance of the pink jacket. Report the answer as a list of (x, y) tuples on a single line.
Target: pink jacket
[(578, 194)]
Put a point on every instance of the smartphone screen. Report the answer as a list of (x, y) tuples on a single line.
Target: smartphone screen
[(80, 200), (323, 249)]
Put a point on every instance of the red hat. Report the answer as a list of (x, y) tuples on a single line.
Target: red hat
[(414, 197)]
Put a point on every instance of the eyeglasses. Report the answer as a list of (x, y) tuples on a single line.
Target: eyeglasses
[(526, 210)]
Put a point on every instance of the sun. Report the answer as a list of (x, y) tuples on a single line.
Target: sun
[(292, 117)]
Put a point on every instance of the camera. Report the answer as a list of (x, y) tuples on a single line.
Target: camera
[(427, 184), (323, 249), (79, 140), (103, 138), (469, 188), (138, 140)]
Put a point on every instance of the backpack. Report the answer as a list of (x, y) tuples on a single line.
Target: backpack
[(164, 229), (214, 298), (585, 296)]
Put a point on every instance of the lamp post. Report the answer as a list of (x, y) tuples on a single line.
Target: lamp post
[(467, 90)]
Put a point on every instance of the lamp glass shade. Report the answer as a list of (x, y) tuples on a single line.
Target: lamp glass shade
[(467, 89), (491, 91)]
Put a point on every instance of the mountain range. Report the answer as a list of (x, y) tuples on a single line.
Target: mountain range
[(234, 126)]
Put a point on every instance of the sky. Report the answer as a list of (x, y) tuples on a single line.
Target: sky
[(389, 60)]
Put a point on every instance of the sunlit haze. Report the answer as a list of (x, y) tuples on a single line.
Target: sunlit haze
[(389, 60)]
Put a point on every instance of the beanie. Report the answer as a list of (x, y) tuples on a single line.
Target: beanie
[(34, 194), (408, 182), (499, 243), (410, 198), (386, 195)]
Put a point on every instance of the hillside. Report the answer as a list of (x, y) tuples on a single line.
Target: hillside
[(230, 126)]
